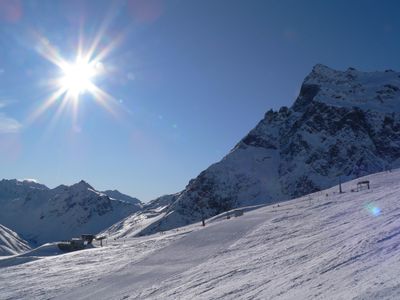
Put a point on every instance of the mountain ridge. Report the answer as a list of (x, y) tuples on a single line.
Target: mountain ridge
[(343, 125), (40, 214)]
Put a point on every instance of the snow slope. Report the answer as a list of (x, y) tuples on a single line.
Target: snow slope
[(322, 246), (11, 243), (137, 223), (343, 124), (41, 215)]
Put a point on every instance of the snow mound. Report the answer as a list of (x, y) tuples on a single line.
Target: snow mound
[(48, 249)]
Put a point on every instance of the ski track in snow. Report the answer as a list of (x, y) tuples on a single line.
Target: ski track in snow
[(321, 246)]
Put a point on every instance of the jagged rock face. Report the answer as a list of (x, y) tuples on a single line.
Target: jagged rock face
[(40, 214), (343, 124)]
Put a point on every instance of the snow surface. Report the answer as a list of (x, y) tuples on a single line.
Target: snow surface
[(11, 243), (137, 223), (322, 246)]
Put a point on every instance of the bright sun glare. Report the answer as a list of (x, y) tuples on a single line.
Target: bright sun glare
[(77, 77)]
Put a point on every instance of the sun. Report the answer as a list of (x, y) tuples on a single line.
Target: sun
[(77, 77)]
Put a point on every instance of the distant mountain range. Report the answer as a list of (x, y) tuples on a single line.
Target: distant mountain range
[(39, 214), (343, 125)]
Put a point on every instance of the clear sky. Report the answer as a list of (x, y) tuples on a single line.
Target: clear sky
[(186, 80)]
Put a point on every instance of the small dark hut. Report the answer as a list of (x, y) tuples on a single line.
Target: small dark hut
[(363, 185)]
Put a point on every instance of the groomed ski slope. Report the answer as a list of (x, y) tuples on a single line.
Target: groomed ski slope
[(322, 246)]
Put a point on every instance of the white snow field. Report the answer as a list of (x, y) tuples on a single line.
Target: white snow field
[(322, 246)]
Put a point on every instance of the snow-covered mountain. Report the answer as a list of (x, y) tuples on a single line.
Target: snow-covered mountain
[(40, 214), (117, 195), (324, 245), (11, 243), (343, 125), (137, 223)]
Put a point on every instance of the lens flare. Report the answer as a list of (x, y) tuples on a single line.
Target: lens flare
[(373, 209)]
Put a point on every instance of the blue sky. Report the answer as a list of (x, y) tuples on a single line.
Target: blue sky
[(188, 80)]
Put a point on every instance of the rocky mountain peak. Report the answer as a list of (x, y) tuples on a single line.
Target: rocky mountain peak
[(81, 186), (343, 124), (369, 91)]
